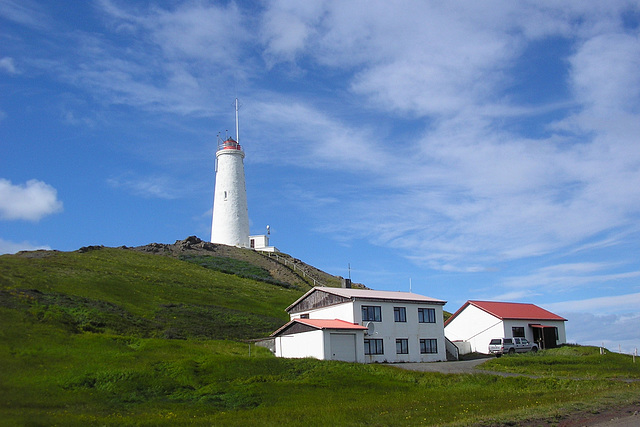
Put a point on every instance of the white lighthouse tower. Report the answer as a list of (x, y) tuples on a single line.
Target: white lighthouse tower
[(230, 224)]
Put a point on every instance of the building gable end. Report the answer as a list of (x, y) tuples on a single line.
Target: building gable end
[(295, 328), (317, 299)]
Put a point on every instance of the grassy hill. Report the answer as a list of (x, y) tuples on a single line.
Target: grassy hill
[(128, 292), (157, 335)]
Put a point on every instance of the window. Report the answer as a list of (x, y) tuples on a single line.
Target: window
[(429, 345), (372, 313), (427, 315), (373, 346), (402, 346), (304, 316), (400, 314), (517, 331)]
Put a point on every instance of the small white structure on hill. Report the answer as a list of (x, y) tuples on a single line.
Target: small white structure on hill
[(478, 322), (362, 325), (261, 243)]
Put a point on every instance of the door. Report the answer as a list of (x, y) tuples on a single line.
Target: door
[(343, 347), (545, 336)]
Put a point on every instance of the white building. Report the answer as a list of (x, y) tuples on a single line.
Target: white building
[(363, 326), (322, 339), (477, 322), (261, 243)]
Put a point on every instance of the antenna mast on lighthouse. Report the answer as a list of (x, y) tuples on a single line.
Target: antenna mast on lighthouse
[(237, 127)]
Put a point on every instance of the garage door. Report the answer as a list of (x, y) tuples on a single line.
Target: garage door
[(343, 347)]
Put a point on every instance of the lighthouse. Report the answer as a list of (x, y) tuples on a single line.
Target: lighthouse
[(230, 224)]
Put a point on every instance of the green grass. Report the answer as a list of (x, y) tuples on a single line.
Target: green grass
[(234, 266), (569, 362), (126, 292), (51, 376)]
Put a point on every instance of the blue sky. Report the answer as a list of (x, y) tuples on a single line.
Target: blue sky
[(478, 151)]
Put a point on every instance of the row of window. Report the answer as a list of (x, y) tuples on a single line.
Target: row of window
[(373, 313), (376, 346)]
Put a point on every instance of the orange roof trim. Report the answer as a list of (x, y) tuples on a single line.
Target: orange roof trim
[(322, 324), (330, 324)]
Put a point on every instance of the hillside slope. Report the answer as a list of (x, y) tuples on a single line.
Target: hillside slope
[(124, 291), (280, 266)]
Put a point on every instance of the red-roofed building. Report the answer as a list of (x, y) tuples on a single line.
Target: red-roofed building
[(320, 338), (477, 322), (363, 325)]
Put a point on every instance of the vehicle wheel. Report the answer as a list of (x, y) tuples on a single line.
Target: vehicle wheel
[(512, 351), (534, 349), (498, 354)]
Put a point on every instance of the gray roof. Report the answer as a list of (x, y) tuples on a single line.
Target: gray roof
[(373, 294), (370, 294)]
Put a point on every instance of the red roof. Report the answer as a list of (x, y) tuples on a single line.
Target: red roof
[(322, 324), (510, 310)]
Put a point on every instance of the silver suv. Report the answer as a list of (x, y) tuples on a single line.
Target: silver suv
[(500, 346)]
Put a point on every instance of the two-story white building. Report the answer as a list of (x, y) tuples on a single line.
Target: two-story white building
[(362, 325)]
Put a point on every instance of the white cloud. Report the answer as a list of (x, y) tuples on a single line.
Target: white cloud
[(618, 332), (566, 278), (612, 321), (604, 72), (31, 201), (176, 59), (160, 187), (200, 31), (8, 66), (286, 27), (25, 12), (470, 192), (7, 247), (603, 305), (314, 137)]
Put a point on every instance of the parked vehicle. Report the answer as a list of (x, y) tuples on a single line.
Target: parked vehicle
[(500, 346)]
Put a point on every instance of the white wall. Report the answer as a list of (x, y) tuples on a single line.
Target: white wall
[(230, 223), (340, 311), (318, 344), (476, 327), (304, 344), (388, 330)]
